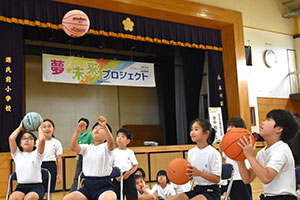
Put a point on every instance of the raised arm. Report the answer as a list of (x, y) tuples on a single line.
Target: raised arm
[(13, 136), (109, 138), (42, 140), (73, 144)]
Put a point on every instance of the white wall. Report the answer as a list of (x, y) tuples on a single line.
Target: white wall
[(65, 104)]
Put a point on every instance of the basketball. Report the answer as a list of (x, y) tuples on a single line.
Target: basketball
[(230, 143), (32, 121), (75, 23), (176, 171)]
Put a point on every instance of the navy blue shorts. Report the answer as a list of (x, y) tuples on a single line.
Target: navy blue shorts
[(93, 187), (34, 187), (51, 166), (211, 192), (279, 197)]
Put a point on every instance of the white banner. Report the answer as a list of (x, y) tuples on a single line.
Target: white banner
[(216, 120), (69, 69)]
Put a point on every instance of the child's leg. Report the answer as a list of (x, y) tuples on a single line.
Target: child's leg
[(199, 197), (32, 196), (17, 196), (108, 195), (76, 195), (181, 196)]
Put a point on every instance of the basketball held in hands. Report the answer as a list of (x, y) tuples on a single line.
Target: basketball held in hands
[(32, 121)]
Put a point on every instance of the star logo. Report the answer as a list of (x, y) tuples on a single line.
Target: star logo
[(69, 69), (128, 24)]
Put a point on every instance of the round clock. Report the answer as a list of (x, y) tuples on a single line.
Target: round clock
[(270, 58)]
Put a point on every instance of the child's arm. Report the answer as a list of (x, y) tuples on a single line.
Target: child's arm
[(42, 140), (266, 175), (128, 173), (59, 169), (109, 138), (12, 138), (73, 144), (193, 171)]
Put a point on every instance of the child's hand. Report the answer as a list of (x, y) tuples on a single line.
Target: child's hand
[(247, 146), (192, 171), (58, 179), (81, 126), (21, 126), (102, 121), (126, 175), (40, 129), (118, 178)]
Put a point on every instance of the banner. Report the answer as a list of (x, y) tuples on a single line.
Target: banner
[(69, 69), (216, 120)]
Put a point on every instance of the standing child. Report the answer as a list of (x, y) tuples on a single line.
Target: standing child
[(52, 155), (125, 160), (239, 190), (274, 165), (28, 160), (163, 188), (206, 164), (97, 165), (144, 193)]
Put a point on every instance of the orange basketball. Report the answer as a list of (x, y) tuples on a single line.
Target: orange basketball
[(230, 143), (75, 23), (176, 171)]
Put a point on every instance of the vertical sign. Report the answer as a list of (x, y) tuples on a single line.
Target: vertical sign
[(215, 118)]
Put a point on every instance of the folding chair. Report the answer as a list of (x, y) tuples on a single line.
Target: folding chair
[(227, 174), (45, 175), (114, 173)]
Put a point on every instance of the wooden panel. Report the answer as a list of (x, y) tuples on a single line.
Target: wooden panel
[(143, 163), (159, 161), (70, 168), (143, 133)]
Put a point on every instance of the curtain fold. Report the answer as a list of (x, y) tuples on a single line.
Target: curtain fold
[(48, 14)]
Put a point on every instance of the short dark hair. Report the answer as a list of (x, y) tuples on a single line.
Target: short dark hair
[(142, 171), (162, 173), (287, 121), (236, 122), (86, 121), (108, 126), (127, 132), (18, 139), (206, 126), (138, 177)]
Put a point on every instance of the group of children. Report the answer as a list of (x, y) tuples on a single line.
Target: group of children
[(274, 165)]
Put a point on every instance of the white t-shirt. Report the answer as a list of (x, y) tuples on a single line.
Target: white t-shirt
[(149, 191), (52, 149), (280, 158), (236, 174), (163, 193), (207, 160), (28, 166), (96, 160), (124, 159), (182, 188)]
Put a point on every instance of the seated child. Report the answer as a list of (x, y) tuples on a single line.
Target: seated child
[(140, 172), (124, 159), (144, 193), (163, 188), (96, 165), (28, 161)]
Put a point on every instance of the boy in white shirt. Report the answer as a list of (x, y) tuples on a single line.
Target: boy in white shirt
[(144, 193), (274, 165), (28, 161), (97, 165), (125, 160)]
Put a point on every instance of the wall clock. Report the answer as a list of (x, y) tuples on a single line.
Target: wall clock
[(270, 58)]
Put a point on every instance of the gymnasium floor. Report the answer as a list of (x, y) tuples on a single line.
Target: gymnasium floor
[(256, 191)]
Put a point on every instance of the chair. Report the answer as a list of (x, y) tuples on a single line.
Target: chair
[(45, 175), (114, 173), (227, 173), (297, 170)]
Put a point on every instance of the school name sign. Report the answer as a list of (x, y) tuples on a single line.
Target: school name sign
[(76, 70)]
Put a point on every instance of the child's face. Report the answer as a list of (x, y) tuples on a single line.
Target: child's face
[(122, 140), (267, 127), (27, 142), (197, 134), (98, 134), (162, 179), (140, 183), (48, 129)]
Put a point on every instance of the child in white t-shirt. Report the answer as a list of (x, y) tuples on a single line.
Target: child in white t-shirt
[(206, 164), (182, 188), (163, 188), (144, 193), (28, 160), (274, 165), (97, 163), (52, 156), (125, 160)]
